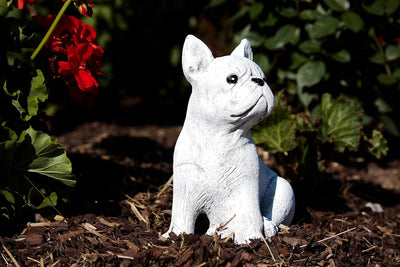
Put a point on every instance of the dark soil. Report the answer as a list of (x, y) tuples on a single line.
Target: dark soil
[(122, 203)]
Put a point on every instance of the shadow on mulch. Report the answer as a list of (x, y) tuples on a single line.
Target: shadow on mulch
[(129, 166), (339, 196)]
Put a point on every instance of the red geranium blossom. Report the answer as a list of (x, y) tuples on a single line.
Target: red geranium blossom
[(69, 30), (21, 3), (79, 65), (74, 56)]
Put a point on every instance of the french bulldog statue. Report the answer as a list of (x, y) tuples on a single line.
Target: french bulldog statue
[(216, 168)]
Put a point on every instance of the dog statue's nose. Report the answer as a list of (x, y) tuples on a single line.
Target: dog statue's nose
[(258, 81)]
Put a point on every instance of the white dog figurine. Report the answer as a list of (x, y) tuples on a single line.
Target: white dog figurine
[(217, 171)]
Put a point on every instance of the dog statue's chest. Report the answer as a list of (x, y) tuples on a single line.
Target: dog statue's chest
[(219, 164)]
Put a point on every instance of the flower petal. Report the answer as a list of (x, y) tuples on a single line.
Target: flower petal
[(85, 80), (65, 68)]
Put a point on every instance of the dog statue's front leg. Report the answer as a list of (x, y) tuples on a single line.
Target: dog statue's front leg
[(185, 202)]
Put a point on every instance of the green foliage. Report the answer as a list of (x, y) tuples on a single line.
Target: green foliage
[(341, 124), (28, 158), (278, 132), (341, 47), (338, 61), (302, 142)]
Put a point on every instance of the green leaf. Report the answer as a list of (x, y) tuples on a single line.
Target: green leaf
[(386, 79), (310, 73), (263, 61), (278, 130), (343, 56), (341, 124), (390, 125), (215, 3), (338, 5), (242, 12), (382, 106), (287, 12), (305, 97), (7, 201), (297, 60), (255, 10), (310, 46), (270, 21), (378, 58), (380, 7), (26, 101), (324, 26), (3, 8), (308, 14), (37, 94), (253, 37), (51, 160), (378, 144), (285, 34), (53, 198), (392, 52), (353, 21), (37, 152), (8, 196)]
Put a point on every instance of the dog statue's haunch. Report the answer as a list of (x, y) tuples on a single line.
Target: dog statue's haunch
[(216, 168)]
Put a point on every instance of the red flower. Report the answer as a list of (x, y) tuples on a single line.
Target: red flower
[(78, 64), (74, 56), (69, 30), (397, 39), (84, 7), (21, 3)]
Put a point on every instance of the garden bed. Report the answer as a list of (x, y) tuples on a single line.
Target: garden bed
[(122, 203)]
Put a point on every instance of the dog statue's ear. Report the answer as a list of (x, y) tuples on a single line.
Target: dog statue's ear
[(243, 50), (196, 56)]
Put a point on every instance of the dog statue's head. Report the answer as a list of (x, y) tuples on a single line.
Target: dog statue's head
[(230, 90)]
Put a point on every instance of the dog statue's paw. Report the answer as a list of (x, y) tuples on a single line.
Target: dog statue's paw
[(270, 228), (166, 234)]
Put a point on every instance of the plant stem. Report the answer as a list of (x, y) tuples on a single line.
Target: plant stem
[(51, 29), (44, 197)]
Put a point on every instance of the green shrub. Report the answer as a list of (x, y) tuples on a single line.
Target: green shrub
[(32, 163)]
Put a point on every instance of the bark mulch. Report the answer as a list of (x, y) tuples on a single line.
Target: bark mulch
[(128, 207)]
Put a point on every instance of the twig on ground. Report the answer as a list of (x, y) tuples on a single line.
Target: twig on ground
[(121, 256), (55, 263), (137, 203), (336, 235), (32, 259), (222, 226), (135, 210), (70, 235), (11, 256), (4, 259), (228, 237), (107, 223), (90, 228), (269, 249), (165, 186), (368, 249)]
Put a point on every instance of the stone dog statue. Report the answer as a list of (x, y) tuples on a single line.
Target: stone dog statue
[(216, 168)]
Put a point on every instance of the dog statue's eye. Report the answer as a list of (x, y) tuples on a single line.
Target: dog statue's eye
[(232, 78)]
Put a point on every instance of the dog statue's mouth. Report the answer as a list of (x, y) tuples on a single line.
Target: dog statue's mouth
[(247, 111)]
